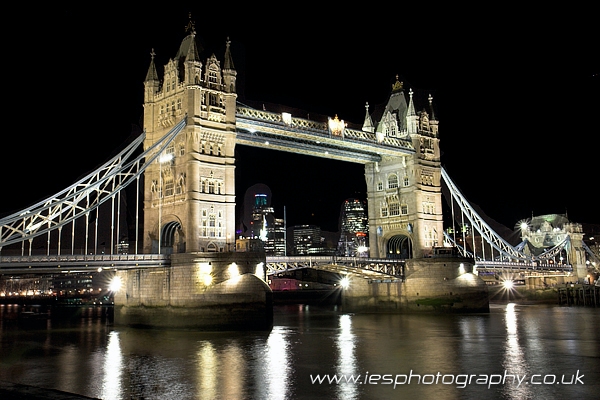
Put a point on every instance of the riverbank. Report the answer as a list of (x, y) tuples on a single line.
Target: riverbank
[(568, 294)]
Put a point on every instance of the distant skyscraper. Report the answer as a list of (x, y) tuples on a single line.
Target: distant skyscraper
[(354, 228), (266, 228), (307, 240), (275, 243), (262, 216)]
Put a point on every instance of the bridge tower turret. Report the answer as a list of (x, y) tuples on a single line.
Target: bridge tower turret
[(576, 252), (189, 192), (404, 192)]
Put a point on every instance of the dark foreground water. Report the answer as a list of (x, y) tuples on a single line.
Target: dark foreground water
[(515, 352)]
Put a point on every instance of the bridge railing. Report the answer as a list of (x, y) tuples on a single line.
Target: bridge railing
[(107, 259), (371, 268), (507, 265), (321, 128)]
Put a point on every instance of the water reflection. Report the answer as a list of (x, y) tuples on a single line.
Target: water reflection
[(514, 362), (233, 370), (102, 361), (277, 362), (346, 365), (113, 364)]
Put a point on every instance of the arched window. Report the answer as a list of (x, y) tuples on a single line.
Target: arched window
[(392, 181)]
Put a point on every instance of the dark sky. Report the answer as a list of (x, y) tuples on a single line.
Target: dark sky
[(516, 96)]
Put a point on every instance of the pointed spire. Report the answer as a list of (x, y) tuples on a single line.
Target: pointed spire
[(430, 98), (368, 124), (411, 115), (411, 105), (152, 75), (192, 53), (191, 26), (228, 64)]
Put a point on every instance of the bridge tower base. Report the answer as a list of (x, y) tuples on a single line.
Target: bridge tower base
[(204, 291), (430, 285)]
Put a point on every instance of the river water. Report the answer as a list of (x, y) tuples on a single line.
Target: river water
[(515, 352)]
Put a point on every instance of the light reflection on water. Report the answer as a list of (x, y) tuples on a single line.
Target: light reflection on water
[(514, 359), (345, 343), (92, 358), (113, 363)]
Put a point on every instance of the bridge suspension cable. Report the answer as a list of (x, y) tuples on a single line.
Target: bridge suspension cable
[(486, 232), (86, 195)]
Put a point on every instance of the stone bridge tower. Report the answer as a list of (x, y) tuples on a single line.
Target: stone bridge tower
[(189, 193), (404, 192)]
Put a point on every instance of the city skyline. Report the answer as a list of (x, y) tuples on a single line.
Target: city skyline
[(282, 211), (517, 122)]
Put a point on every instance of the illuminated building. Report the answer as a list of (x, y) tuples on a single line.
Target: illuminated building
[(270, 231), (307, 239), (353, 229), (275, 244), (189, 192)]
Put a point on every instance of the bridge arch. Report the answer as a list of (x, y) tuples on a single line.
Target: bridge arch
[(172, 238), (399, 246)]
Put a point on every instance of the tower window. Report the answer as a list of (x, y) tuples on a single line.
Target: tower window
[(392, 181)]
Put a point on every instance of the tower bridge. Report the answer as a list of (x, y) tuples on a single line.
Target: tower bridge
[(180, 173)]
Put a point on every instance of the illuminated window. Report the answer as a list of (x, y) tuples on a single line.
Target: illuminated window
[(212, 76), (384, 210), (170, 152), (168, 181), (392, 181), (428, 207)]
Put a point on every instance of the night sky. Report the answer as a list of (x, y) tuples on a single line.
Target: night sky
[(518, 101)]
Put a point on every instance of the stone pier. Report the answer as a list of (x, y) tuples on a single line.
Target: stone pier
[(430, 285), (204, 291)]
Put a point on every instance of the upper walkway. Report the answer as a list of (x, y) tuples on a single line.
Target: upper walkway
[(331, 139)]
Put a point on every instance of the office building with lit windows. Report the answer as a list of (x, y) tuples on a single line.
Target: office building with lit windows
[(353, 229)]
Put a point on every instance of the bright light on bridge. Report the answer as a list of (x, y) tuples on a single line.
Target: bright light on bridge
[(115, 284), (165, 158), (234, 271), (508, 284), (345, 282)]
